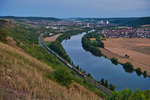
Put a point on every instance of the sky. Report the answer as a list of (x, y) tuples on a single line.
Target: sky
[(75, 8)]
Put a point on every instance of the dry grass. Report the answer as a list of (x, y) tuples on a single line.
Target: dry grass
[(137, 49), (52, 38), (22, 77), (92, 39)]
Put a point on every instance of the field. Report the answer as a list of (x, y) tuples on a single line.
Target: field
[(51, 38), (138, 51)]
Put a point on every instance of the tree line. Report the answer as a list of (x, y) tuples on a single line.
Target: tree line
[(93, 45)]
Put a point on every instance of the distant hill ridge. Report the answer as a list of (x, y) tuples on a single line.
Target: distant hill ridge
[(31, 18)]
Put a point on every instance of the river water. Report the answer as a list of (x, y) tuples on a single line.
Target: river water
[(100, 67)]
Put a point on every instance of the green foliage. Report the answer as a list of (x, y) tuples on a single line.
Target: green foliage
[(68, 34), (145, 74), (93, 46), (128, 67), (3, 36), (57, 47), (114, 60), (130, 95), (63, 77), (102, 81), (106, 83), (112, 87), (138, 71)]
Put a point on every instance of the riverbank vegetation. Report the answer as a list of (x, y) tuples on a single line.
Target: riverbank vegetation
[(128, 67), (91, 42), (57, 47), (130, 95), (107, 85)]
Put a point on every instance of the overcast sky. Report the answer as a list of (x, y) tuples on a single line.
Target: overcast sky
[(75, 8)]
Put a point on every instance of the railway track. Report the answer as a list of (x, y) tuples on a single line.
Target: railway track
[(90, 80)]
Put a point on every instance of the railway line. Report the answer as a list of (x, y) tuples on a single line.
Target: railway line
[(90, 80)]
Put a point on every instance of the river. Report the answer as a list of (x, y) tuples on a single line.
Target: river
[(100, 67)]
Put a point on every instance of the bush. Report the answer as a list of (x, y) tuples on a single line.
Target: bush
[(130, 95), (112, 87), (128, 67), (57, 47), (127, 56), (102, 81), (93, 46), (63, 77), (106, 83), (138, 71), (3, 36), (114, 60), (145, 74)]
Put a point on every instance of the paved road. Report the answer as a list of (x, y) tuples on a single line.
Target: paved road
[(91, 81)]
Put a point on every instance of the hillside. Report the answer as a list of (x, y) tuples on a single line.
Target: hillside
[(23, 77), (141, 21), (31, 18)]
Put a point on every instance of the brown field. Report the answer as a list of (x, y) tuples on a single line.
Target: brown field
[(92, 39), (52, 38), (137, 49)]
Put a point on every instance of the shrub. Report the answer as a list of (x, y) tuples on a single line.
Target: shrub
[(112, 87), (114, 60), (3, 36), (63, 77), (128, 67), (127, 56), (138, 71), (102, 81), (145, 74), (106, 83)]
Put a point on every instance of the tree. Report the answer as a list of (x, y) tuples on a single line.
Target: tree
[(102, 81), (128, 67), (106, 83), (145, 74), (138, 71), (112, 87), (114, 60), (127, 56), (89, 75)]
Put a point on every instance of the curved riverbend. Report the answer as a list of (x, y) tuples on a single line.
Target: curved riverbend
[(100, 67)]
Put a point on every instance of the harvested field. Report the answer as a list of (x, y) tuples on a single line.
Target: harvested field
[(137, 49), (52, 38), (92, 39)]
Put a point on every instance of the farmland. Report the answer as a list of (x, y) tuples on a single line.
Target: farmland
[(137, 50)]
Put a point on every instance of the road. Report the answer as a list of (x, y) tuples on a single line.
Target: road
[(91, 81)]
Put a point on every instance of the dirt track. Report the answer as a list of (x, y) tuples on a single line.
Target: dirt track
[(137, 49)]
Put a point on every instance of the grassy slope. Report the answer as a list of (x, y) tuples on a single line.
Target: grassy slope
[(27, 40), (22, 76)]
